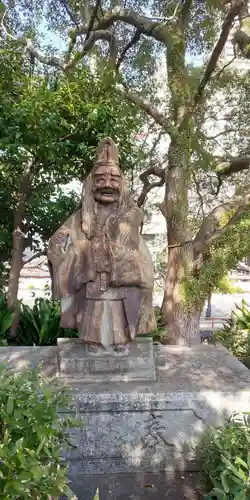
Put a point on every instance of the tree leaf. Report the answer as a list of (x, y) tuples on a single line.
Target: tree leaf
[(10, 406)]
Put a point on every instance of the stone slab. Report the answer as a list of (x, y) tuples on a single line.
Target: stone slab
[(19, 358), (137, 487), (135, 431), (155, 426), (198, 368), (141, 426), (76, 364)]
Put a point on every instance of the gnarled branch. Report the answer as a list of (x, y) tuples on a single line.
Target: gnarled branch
[(233, 166), (147, 185), (146, 25), (48, 60), (159, 117), (94, 36), (127, 47), (234, 11), (210, 229), (93, 18)]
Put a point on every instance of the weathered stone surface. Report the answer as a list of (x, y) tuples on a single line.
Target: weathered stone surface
[(137, 486), (156, 425), (75, 363), (130, 441), (23, 357), (142, 426), (202, 367)]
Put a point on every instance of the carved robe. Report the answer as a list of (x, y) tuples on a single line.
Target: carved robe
[(104, 283)]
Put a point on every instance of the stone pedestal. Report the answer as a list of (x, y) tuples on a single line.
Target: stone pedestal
[(76, 364), (143, 413)]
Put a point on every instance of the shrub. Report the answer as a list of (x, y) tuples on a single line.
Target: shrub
[(32, 438), (225, 461), (235, 335), (226, 286), (6, 318), (40, 324)]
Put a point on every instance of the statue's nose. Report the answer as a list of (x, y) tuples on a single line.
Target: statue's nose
[(108, 183)]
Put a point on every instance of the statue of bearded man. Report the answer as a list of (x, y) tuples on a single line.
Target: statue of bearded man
[(101, 267)]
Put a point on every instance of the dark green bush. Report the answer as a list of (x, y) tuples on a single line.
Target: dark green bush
[(40, 324), (6, 318), (235, 335), (225, 461), (32, 438)]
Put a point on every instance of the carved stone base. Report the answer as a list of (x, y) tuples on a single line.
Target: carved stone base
[(141, 425), (77, 363), (155, 426)]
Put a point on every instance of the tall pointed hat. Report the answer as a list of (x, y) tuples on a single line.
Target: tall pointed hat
[(107, 153)]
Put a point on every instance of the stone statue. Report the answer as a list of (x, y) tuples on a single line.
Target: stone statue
[(101, 267)]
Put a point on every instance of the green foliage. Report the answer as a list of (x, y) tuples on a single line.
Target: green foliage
[(225, 460), (32, 437), (6, 318), (74, 111), (57, 121), (235, 335), (226, 286), (40, 324), (219, 259)]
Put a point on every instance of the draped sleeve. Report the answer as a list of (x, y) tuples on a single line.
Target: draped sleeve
[(131, 263), (70, 259)]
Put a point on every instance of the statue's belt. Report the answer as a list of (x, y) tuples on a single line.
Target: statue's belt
[(100, 289)]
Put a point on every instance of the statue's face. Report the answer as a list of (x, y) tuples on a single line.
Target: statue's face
[(107, 183)]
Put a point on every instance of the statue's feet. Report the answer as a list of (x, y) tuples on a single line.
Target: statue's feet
[(96, 350), (121, 349)]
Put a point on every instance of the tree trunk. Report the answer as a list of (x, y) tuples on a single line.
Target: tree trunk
[(16, 261), (181, 319), (18, 243), (209, 305), (16, 265)]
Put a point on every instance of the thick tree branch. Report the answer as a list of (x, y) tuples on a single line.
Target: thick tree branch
[(185, 13), (94, 36), (234, 11), (93, 18), (147, 185), (233, 166), (3, 27), (197, 187), (210, 229), (65, 64), (159, 117), (34, 256), (48, 60), (242, 35), (127, 47), (157, 30)]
